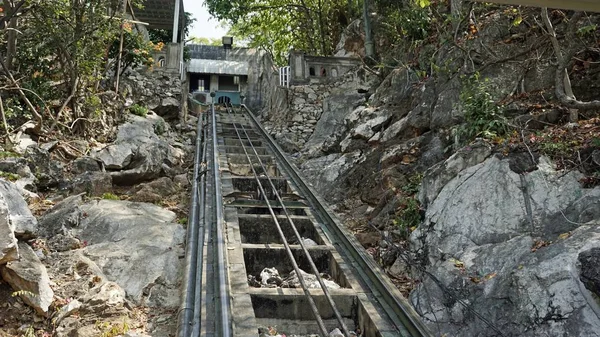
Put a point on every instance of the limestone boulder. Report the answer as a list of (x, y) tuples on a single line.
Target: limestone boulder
[(154, 191), (9, 250), (28, 276), (92, 183), (517, 248), (62, 218), (436, 177), (322, 172), (24, 224), (138, 154), (137, 245), (19, 167), (47, 171), (168, 108)]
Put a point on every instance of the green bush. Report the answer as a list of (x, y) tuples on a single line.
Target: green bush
[(483, 117), (139, 110), (408, 216), (110, 196)]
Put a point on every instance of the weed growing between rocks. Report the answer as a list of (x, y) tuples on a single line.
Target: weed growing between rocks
[(483, 117), (138, 110)]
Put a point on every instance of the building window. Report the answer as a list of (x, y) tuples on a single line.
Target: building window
[(236, 80), (334, 72), (323, 72), (201, 85), (161, 61), (311, 71)]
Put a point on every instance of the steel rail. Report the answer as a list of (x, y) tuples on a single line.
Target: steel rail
[(397, 309), (312, 304), (201, 235), (190, 275), (223, 293), (298, 236)]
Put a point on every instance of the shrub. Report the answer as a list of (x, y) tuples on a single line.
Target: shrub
[(483, 117), (110, 196), (139, 110)]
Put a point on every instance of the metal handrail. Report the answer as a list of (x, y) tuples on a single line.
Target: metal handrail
[(223, 294), (190, 273)]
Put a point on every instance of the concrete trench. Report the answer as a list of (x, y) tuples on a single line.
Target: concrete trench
[(253, 243)]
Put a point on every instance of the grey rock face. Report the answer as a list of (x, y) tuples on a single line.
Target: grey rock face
[(19, 166), (168, 108), (323, 171), (590, 269), (439, 175), (61, 218), (154, 191), (92, 183), (48, 172), (24, 224), (137, 154), (507, 246), (137, 245), (85, 164), (29, 275), (8, 243)]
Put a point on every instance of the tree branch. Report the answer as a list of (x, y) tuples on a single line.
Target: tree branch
[(563, 88)]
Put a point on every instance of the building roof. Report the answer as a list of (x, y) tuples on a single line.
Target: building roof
[(159, 14), (579, 5), (201, 66)]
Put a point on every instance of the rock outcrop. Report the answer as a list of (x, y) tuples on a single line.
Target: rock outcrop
[(28, 277), (9, 250), (514, 248), (138, 153), (136, 245)]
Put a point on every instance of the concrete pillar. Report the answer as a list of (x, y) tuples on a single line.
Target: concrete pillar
[(214, 82), (173, 56), (176, 21)]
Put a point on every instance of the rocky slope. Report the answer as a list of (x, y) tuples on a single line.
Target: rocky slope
[(91, 234), (496, 238)]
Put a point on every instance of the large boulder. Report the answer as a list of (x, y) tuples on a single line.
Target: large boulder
[(47, 171), (137, 245), (8, 243), (507, 246), (138, 154), (92, 183), (24, 224), (29, 278), (62, 218)]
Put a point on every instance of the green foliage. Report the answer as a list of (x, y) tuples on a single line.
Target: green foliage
[(313, 26), (62, 51), (587, 30), (483, 117), (136, 51), (414, 182), (30, 332), (9, 176), (23, 293), (113, 329), (160, 127), (110, 196), (8, 154), (182, 221), (139, 110), (401, 24), (408, 215)]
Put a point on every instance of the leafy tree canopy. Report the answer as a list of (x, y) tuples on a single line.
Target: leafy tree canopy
[(277, 26)]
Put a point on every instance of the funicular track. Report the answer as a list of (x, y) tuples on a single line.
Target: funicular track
[(251, 210)]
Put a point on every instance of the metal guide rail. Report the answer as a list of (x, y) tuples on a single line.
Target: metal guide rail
[(269, 256)]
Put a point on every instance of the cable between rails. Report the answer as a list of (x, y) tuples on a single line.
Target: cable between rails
[(314, 269)]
